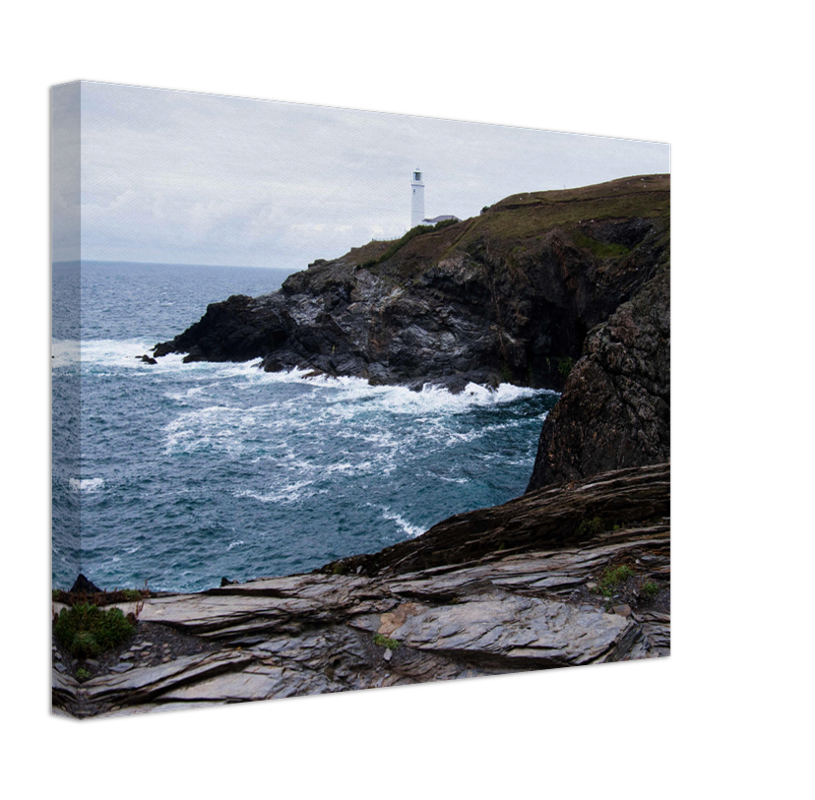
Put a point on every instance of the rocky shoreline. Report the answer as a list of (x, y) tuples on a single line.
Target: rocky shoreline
[(532, 593)]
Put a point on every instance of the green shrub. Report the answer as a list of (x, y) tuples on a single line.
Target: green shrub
[(612, 577), (649, 589), (384, 641), (84, 630)]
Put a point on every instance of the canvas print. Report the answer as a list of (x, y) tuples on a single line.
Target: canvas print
[(344, 400)]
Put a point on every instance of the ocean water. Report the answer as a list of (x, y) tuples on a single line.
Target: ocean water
[(180, 474)]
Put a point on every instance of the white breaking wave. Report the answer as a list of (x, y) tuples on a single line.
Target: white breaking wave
[(290, 493), (64, 352), (343, 391), (114, 352), (221, 427), (430, 400), (88, 485), (411, 530)]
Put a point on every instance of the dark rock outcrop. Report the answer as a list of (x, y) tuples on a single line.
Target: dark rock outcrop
[(237, 329), (505, 296), (615, 408), (83, 586)]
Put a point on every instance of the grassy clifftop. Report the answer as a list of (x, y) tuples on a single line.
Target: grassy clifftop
[(521, 222)]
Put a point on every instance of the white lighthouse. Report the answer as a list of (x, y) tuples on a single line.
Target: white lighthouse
[(417, 209)]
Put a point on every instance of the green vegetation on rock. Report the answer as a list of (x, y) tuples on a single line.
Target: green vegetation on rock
[(85, 630), (384, 641), (597, 248), (411, 234)]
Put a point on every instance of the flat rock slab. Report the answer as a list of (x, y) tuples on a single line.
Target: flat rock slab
[(540, 633)]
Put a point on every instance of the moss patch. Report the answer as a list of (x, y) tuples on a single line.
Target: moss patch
[(597, 248)]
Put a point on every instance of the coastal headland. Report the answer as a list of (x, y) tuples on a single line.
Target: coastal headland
[(567, 290), (507, 296)]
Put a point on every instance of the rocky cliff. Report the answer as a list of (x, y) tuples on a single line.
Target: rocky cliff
[(615, 408), (505, 296)]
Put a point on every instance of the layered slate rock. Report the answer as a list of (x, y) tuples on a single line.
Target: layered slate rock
[(551, 517), (522, 602)]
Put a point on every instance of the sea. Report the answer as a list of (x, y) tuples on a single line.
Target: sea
[(176, 475)]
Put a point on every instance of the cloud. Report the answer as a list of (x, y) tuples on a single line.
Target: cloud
[(190, 178), (65, 173)]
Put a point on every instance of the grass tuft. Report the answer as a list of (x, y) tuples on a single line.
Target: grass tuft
[(384, 641)]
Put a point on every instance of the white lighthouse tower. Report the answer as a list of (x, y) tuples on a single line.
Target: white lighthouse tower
[(417, 209)]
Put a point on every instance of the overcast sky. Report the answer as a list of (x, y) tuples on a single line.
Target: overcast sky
[(185, 178)]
